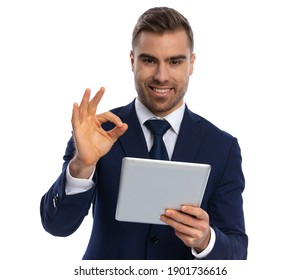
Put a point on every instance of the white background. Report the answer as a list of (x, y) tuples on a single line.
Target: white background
[(246, 81)]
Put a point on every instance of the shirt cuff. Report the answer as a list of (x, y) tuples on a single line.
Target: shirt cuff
[(76, 185), (208, 249)]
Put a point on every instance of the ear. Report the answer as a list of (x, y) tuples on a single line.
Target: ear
[(132, 60), (193, 57)]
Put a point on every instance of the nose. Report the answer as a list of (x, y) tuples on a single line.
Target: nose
[(161, 73)]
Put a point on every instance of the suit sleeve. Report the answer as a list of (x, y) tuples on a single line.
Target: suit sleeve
[(226, 210), (62, 214)]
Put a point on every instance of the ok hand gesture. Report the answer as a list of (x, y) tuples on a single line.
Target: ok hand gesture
[(91, 140)]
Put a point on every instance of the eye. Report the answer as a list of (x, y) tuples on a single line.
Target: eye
[(148, 61), (175, 61)]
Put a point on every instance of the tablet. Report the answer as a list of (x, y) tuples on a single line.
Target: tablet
[(148, 187)]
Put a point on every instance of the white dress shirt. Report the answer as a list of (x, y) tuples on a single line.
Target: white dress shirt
[(75, 185)]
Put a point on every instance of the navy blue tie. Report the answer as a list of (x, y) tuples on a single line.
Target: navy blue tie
[(158, 129)]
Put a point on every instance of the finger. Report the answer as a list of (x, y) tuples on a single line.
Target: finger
[(117, 132), (185, 225), (180, 218), (84, 103), (195, 211), (75, 116), (186, 238), (190, 240), (192, 231), (109, 117), (92, 107), (174, 222), (198, 239)]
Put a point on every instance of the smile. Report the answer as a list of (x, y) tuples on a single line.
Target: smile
[(161, 90)]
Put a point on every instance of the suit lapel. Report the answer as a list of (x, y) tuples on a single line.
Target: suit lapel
[(133, 141), (189, 138), (188, 142)]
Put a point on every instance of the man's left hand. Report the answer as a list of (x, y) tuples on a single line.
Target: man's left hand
[(191, 225)]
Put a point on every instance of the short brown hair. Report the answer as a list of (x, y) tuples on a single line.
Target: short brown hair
[(162, 19)]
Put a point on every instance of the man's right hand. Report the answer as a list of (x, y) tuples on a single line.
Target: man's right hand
[(91, 140)]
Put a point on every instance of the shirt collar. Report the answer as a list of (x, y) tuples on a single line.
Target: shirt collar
[(174, 119)]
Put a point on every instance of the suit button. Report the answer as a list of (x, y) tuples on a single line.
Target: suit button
[(154, 239)]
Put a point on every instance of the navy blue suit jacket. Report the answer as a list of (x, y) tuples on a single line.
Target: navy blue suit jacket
[(198, 141)]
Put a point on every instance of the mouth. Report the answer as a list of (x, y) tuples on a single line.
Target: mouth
[(161, 91)]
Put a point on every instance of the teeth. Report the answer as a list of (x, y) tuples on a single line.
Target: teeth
[(161, 90)]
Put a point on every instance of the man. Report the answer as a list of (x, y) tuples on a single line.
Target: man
[(162, 60)]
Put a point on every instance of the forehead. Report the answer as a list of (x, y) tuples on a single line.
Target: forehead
[(167, 43)]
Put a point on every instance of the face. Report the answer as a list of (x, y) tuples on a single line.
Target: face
[(162, 64)]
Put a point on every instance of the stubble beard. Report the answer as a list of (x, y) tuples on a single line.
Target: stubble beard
[(160, 106)]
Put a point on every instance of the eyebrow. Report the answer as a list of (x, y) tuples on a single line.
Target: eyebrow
[(145, 55)]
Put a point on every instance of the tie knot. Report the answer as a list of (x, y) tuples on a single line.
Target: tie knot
[(158, 127)]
